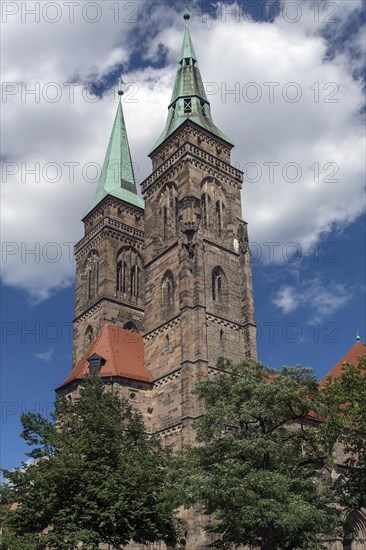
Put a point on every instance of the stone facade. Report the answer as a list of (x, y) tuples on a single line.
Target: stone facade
[(198, 285), (193, 297), (109, 272), (178, 272)]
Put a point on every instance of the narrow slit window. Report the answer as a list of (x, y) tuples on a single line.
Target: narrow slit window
[(217, 285)]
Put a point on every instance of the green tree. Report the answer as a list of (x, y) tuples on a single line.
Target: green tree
[(345, 410), (256, 468), (97, 478)]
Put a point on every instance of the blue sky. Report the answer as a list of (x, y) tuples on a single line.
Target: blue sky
[(306, 223)]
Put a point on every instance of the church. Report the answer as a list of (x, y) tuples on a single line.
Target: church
[(164, 283)]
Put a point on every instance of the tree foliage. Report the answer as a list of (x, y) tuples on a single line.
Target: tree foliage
[(256, 468), (344, 398), (97, 478)]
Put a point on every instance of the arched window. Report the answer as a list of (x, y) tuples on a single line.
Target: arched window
[(206, 205), (355, 531), (88, 336), (222, 340), (218, 284), (130, 325), (165, 223), (213, 214), (168, 210), (168, 290), (135, 281), (92, 275), (218, 215), (122, 276), (128, 273)]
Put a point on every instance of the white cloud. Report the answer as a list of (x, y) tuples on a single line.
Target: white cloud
[(286, 299), (45, 356), (323, 300), (317, 136)]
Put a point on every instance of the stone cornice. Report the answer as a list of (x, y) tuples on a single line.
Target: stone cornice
[(175, 375), (175, 429), (162, 328), (224, 322), (97, 305), (192, 154), (184, 133), (112, 201), (130, 235)]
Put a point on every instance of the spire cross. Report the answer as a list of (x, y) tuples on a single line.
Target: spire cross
[(120, 87), (186, 16)]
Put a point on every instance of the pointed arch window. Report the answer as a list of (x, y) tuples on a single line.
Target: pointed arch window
[(122, 276), (220, 215), (92, 275), (128, 273), (89, 333), (168, 210), (218, 285), (222, 340), (354, 531), (168, 288), (165, 222), (214, 214), (206, 200), (135, 281)]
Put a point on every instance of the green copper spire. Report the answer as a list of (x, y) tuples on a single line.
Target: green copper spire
[(187, 50), (189, 100), (117, 177)]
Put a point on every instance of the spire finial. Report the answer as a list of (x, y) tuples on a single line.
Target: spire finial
[(186, 16), (358, 337), (120, 87)]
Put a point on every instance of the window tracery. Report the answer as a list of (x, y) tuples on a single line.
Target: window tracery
[(218, 285), (213, 205), (92, 274), (89, 333), (168, 201), (168, 289), (128, 273)]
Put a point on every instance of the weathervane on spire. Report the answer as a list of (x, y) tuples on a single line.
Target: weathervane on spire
[(186, 16), (120, 87), (358, 337)]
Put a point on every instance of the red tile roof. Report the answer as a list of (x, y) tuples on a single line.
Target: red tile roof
[(123, 352), (352, 356)]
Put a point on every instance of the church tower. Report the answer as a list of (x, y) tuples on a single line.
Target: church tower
[(164, 287), (109, 268), (198, 282)]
